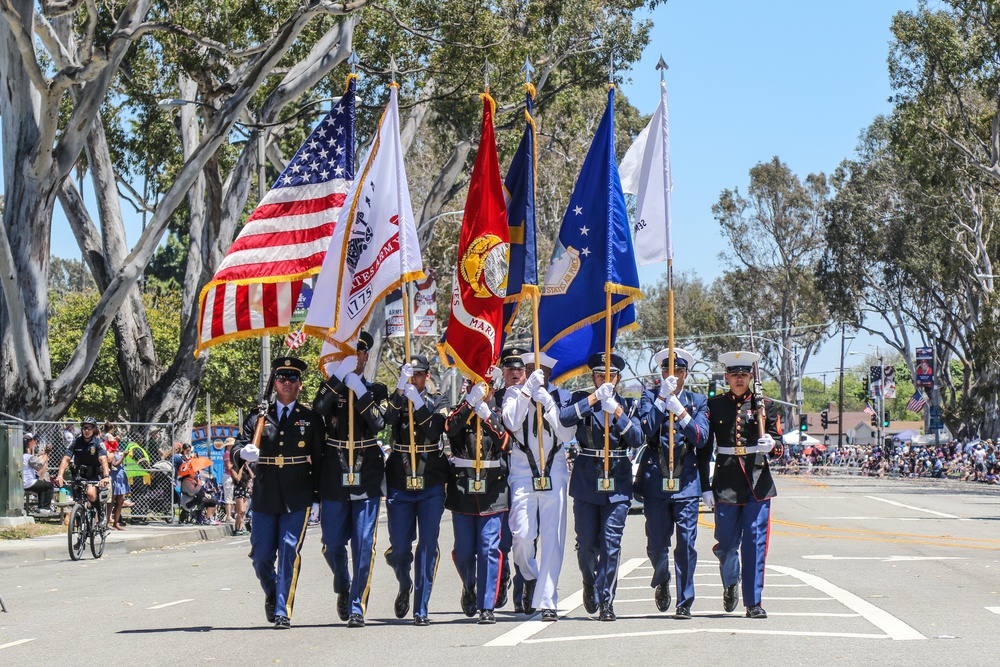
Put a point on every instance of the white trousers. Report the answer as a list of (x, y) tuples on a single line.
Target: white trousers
[(540, 514)]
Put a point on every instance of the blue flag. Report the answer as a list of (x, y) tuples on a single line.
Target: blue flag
[(593, 256), (519, 187)]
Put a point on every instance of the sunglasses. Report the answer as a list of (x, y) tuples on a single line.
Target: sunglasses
[(288, 379)]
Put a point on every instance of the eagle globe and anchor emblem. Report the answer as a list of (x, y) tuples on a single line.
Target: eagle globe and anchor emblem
[(484, 266)]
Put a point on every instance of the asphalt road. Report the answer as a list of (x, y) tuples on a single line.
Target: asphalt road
[(860, 571)]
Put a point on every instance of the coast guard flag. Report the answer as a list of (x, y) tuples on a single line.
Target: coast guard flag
[(645, 172), (593, 255), (519, 186), (257, 286), (474, 328), (374, 248)]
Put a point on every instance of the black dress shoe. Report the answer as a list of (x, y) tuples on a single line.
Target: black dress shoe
[(549, 615), (468, 601), (269, 603), (608, 612), (730, 598), (282, 623), (518, 609), (529, 594), (502, 593), (756, 611), (662, 596), (421, 621), (356, 621), (486, 617), (589, 601), (683, 612), (402, 605), (344, 605)]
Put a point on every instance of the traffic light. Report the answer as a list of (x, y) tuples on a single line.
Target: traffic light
[(885, 420), (803, 423), (864, 383), (875, 419), (712, 388), (824, 419)]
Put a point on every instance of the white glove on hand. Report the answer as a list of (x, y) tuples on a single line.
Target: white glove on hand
[(605, 391), (708, 498), (413, 396), (483, 410), (405, 373), (475, 395), (766, 443), (609, 405), (674, 405), (668, 386), (346, 365), (542, 396), (355, 384), (249, 453), (535, 380)]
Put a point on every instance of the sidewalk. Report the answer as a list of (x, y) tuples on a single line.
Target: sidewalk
[(133, 538)]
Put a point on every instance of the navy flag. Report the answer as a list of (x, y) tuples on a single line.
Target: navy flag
[(593, 255)]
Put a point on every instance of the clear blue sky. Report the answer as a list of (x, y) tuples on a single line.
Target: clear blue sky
[(799, 79)]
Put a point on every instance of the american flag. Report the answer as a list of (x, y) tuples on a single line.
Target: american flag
[(295, 339), (917, 402), (286, 238), (869, 410)]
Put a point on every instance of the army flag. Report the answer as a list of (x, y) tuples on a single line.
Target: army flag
[(645, 172), (593, 256), (473, 337), (519, 188), (374, 248)]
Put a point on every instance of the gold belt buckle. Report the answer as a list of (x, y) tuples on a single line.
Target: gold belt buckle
[(740, 451), (279, 460)]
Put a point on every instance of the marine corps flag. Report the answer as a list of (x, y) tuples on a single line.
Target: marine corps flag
[(474, 329), (374, 248)]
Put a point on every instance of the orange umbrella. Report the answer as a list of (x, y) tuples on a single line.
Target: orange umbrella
[(192, 466)]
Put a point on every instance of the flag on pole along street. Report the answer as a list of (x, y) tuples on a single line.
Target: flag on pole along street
[(875, 377), (473, 336), (869, 410), (593, 255), (259, 282), (424, 306), (917, 402), (519, 188), (645, 172), (374, 248), (889, 382), (295, 339)]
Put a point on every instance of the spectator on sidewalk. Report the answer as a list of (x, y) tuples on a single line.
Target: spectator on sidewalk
[(227, 477), (242, 475), (35, 464), (119, 478)]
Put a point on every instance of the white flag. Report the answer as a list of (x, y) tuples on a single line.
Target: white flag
[(645, 171), (374, 248)]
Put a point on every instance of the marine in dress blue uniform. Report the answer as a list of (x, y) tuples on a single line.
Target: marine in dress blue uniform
[(478, 501), (600, 508), (742, 484), (512, 370), (284, 486), (667, 505), (351, 495), (415, 514)]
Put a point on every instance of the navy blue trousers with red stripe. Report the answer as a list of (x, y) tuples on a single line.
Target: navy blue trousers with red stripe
[(741, 533), (477, 555)]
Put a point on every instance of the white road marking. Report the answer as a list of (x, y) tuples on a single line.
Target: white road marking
[(719, 585), (727, 631), (767, 598), (885, 559), (915, 509), (995, 610), (741, 614), (883, 620), (169, 604), (17, 643), (818, 496), (533, 626)]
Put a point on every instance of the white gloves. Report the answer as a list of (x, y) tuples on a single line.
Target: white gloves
[(346, 365), (708, 498), (674, 405), (766, 443), (609, 405), (605, 391), (542, 396), (668, 386), (413, 396), (249, 453), (355, 384), (475, 395), (535, 380), (405, 373), (483, 410)]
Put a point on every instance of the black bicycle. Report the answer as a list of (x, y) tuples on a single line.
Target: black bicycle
[(84, 523)]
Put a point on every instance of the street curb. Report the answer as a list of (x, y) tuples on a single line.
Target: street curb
[(55, 550)]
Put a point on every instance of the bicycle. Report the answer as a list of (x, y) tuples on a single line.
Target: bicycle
[(84, 523)]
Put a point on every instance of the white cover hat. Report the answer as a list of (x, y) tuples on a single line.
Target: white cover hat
[(546, 360)]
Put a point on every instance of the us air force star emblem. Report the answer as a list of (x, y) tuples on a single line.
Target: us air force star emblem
[(484, 266)]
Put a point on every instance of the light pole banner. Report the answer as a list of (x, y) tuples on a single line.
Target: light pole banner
[(924, 371)]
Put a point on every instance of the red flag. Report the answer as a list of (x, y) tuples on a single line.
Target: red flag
[(473, 336)]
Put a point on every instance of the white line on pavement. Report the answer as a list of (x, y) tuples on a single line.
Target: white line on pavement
[(887, 559), (740, 614), (729, 631), (169, 604), (769, 585), (995, 610), (911, 507), (883, 620), (17, 643), (533, 626), (767, 598)]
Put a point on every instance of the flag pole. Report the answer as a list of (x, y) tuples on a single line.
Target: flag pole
[(662, 67), (607, 328)]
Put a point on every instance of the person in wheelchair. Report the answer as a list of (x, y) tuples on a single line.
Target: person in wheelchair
[(89, 457)]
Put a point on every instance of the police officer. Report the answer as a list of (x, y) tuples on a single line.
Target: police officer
[(90, 458), (291, 442), (351, 482), (601, 498), (670, 495), (415, 486), (478, 498), (512, 371), (538, 496), (742, 485)]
